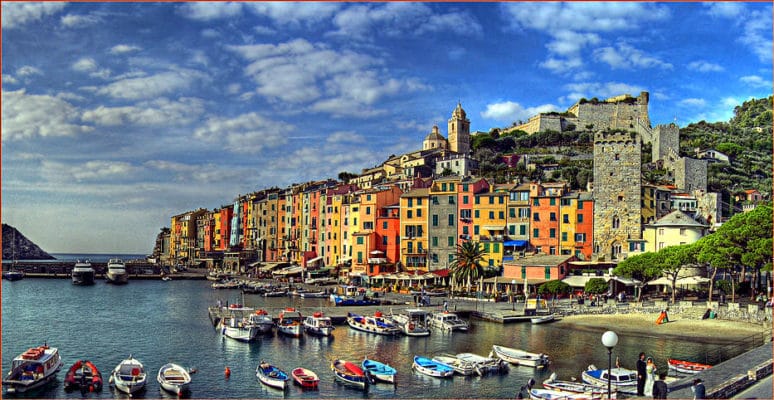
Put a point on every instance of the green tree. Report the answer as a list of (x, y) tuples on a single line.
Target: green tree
[(643, 267), (554, 287), (596, 286), (467, 263)]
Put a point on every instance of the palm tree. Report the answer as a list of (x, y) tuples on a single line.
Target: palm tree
[(467, 262)]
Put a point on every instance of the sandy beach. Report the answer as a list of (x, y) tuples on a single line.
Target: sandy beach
[(710, 330)]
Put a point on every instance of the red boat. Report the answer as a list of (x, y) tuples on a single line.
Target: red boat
[(83, 375), (687, 367), (305, 378)]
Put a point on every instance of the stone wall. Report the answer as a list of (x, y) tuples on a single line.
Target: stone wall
[(691, 174), (666, 141)]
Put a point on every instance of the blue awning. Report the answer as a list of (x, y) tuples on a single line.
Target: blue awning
[(517, 243)]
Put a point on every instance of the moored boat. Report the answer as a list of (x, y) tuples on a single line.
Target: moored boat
[(238, 325), (543, 319), (262, 321), (687, 367), (290, 322), (318, 324), (83, 375), (129, 376), (372, 323), (429, 367), (520, 357), (379, 371), (483, 365), (271, 376), (461, 367), (313, 295), (349, 373), (32, 369), (624, 380), (13, 275), (447, 321), (305, 378), (82, 273), (116, 271), (412, 322), (575, 387), (174, 378), (548, 394)]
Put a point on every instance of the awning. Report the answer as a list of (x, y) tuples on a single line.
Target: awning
[(517, 243), (577, 281), (377, 252), (311, 260), (494, 227), (377, 260), (625, 281), (290, 271), (253, 264)]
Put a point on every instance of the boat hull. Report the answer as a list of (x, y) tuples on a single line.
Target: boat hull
[(520, 357), (117, 278), (174, 379), (21, 379), (349, 374), (305, 378), (371, 325), (272, 376), (625, 379), (83, 375), (83, 278), (378, 371), (687, 367), (129, 376), (432, 368)]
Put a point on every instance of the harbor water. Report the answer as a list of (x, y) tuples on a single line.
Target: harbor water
[(159, 322)]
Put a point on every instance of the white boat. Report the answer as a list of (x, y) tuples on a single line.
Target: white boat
[(238, 328), (290, 322), (129, 376), (313, 295), (413, 322), (543, 319), (623, 379), (174, 378), (262, 320), (318, 324), (574, 387), (548, 394), (272, 376), (82, 273), (483, 365), (429, 367), (116, 271), (447, 321), (372, 323), (32, 369), (520, 357), (461, 367)]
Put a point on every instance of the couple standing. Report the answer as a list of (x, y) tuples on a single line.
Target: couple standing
[(646, 376)]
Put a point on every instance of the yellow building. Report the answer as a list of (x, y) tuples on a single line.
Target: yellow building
[(677, 228), (489, 224), (333, 225), (413, 229)]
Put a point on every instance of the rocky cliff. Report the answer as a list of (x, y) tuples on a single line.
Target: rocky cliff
[(17, 245)]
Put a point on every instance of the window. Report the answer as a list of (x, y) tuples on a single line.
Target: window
[(564, 236), (475, 229), (465, 214), (491, 200), (465, 187), (478, 200), (522, 230), (580, 218), (524, 212), (580, 205), (548, 270), (435, 220), (465, 230), (501, 214), (451, 185), (435, 258), (524, 196), (501, 199), (536, 217), (496, 247), (368, 209), (450, 241), (419, 213), (616, 222), (536, 233), (359, 257), (451, 199), (552, 250), (536, 202), (580, 237), (552, 201), (491, 215), (451, 219), (511, 213), (552, 233), (682, 231), (419, 202), (384, 225), (451, 258), (566, 218), (486, 247), (552, 216), (410, 202), (465, 200), (434, 199), (384, 240), (359, 240), (435, 241), (477, 213)]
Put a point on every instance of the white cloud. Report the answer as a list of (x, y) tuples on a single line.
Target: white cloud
[(9, 79), (157, 112), (28, 116), (338, 82), (510, 111), (85, 64), (95, 170), (247, 133), (79, 21), (705, 66), (208, 11), (729, 10), (16, 14), (755, 21), (624, 56), (601, 90), (755, 81), (27, 70), (693, 102), (152, 86), (295, 13), (345, 137), (124, 48)]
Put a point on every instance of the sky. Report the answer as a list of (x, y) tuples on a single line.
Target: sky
[(117, 116)]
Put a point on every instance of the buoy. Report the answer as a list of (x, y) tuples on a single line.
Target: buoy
[(227, 372)]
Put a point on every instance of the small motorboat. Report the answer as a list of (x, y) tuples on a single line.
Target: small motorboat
[(483, 365), (349, 373), (129, 376), (262, 320), (620, 378), (32, 369), (461, 367), (313, 295), (687, 367), (318, 324), (290, 322), (520, 357), (305, 378), (543, 319), (429, 367), (413, 322), (574, 387), (174, 379), (374, 324), (272, 376), (379, 371), (448, 322), (13, 275), (83, 375), (548, 394)]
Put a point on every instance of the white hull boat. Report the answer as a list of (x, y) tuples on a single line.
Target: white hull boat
[(548, 394), (448, 322), (82, 273), (461, 367), (412, 322), (129, 376), (272, 376), (116, 271), (32, 369), (290, 322), (543, 319), (483, 365), (429, 367), (174, 379), (318, 324), (374, 324), (624, 380), (520, 357), (575, 387)]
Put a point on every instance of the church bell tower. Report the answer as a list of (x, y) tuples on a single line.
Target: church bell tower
[(459, 131)]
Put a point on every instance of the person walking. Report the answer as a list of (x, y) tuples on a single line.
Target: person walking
[(698, 389), (641, 372), (660, 389)]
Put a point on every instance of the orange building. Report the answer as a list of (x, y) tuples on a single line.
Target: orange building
[(545, 207)]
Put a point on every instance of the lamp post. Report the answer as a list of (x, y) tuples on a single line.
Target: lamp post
[(609, 340), (513, 294)]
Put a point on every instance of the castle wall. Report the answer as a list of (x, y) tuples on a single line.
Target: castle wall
[(617, 194), (666, 141), (690, 174)]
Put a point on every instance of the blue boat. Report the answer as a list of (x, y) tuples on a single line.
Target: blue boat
[(373, 324), (349, 373), (430, 367), (272, 376), (379, 371)]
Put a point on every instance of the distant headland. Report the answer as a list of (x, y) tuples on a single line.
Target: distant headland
[(16, 246)]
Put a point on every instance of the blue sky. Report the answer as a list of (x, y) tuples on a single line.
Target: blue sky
[(116, 116)]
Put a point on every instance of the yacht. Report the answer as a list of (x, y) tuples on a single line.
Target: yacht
[(83, 273), (116, 271)]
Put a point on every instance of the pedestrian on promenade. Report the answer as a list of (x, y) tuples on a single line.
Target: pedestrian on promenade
[(445, 305), (641, 371), (698, 389), (660, 388)]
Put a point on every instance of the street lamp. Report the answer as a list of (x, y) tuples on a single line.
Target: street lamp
[(609, 340), (513, 294)]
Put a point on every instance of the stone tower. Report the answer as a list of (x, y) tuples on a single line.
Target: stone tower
[(666, 143), (617, 194), (459, 131)]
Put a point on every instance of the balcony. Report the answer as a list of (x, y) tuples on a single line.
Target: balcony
[(414, 252)]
